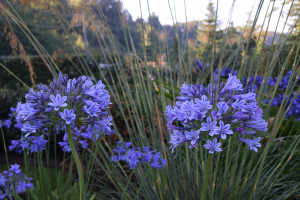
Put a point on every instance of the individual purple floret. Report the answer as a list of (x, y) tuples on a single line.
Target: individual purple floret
[(68, 116), (58, 101), (232, 84), (26, 112), (2, 180), (213, 146), (222, 108), (209, 126), (15, 168), (14, 178), (250, 96), (223, 104), (50, 109), (91, 108), (203, 104), (65, 146), (135, 155), (252, 143), (193, 136), (177, 138), (223, 130)]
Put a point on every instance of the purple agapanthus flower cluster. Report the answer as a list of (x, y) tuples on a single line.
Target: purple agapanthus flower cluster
[(133, 155), (225, 109), (5, 123), (294, 107), (33, 143), (13, 178), (76, 102), (254, 84), (225, 72)]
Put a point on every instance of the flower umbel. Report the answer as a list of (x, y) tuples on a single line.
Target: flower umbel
[(76, 102), (221, 104), (13, 178), (135, 155)]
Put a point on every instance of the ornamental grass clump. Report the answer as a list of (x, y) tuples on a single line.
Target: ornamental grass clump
[(74, 107), (222, 111)]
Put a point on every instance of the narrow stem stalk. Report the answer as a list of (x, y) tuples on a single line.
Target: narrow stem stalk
[(206, 176), (142, 184), (197, 168), (77, 161), (127, 184), (5, 149)]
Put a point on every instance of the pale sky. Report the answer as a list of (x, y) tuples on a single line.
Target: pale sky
[(196, 10)]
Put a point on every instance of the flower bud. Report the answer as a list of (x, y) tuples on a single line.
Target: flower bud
[(216, 78), (207, 65), (198, 62), (221, 85)]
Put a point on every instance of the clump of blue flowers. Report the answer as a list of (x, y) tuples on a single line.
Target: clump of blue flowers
[(219, 112), (254, 83), (133, 155), (75, 102), (11, 179), (6, 123)]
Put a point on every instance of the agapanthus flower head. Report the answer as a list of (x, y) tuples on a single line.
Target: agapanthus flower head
[(14, 178), (32, 143), (133, 155), (221, 112), (253, 84), (7, 123), (76, 102)]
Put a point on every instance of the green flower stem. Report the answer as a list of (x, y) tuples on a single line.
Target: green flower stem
[(127, 184), (206, 176), (77, 161), (142, 184), (5, 149), (197, 169)]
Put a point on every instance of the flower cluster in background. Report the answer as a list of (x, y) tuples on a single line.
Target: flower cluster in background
[(225, 109), (77, 102), (5, 123), (225, 72), (133, 155), (13, 178), (254, 85)]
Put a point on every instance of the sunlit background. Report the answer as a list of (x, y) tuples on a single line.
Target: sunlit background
[(190, 10)]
